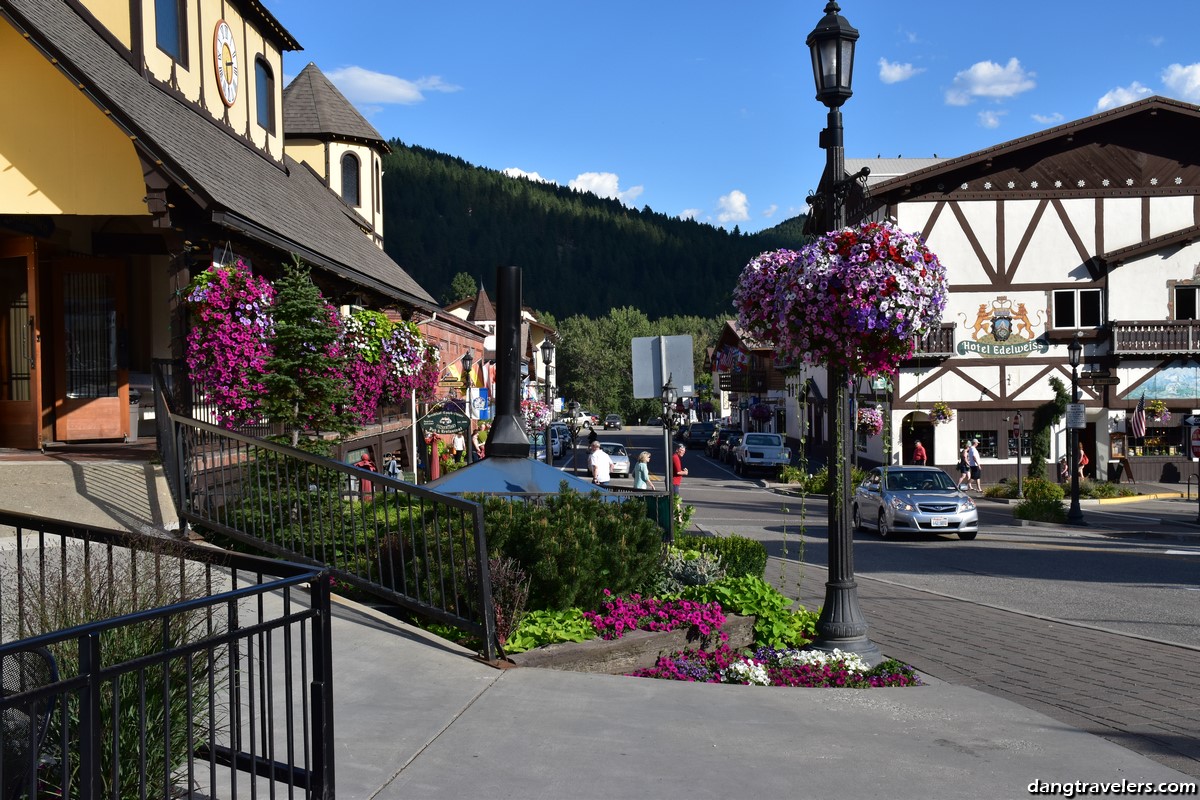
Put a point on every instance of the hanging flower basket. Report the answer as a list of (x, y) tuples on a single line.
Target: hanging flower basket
[(536, 415), (941, 413), (1156, 410), (856, 299), (870, 421), (760, 412)]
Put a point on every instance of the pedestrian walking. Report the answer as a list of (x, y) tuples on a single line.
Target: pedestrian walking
[(964, 471), (641, 473), (677, 468), (600, 465), (976, 475), (919, 456), (459, 444)]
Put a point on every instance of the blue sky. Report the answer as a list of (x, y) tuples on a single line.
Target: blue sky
[(706, 109)]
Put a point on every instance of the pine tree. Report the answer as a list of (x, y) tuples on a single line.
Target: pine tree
[(306, 384)]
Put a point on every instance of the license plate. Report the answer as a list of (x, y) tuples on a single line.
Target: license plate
[(939, 522)]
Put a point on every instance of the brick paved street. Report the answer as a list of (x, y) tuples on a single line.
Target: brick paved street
[(1136, 693)]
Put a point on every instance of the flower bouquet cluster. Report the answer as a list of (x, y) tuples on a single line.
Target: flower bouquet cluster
[(620, 614), (870, 421), (856, 298), (1156, 410), (941, 413), (769, 667), (760, 412), (536, 415), (229, 343)]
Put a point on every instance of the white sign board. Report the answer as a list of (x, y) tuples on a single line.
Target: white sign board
[(657, 359), (1076, 416)]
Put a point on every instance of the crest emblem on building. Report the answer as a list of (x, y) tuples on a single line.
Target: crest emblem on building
[(1003, 327)]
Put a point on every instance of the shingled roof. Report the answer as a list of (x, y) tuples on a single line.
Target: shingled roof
[(284, 205), (314, 108)]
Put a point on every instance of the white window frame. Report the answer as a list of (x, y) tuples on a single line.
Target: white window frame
[(1075, 323)]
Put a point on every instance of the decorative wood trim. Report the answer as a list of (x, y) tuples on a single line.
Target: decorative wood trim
[(1023, 245), (1099, 232), (1084, 255), (1002, 267), (1145, 218), (933, 218), (974, 240)]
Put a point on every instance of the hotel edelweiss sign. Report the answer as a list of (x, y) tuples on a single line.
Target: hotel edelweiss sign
[(1002, 327)]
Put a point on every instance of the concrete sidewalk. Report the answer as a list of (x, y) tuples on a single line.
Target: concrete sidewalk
[(418, 717)]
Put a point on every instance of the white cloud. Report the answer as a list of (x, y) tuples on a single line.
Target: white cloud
[(690, 213), (514, 172), (771, 209), (892, 72), (364, 86), (735, 207), (605, 184), (1048, 119), (990, 119), (1122, 95), (989, 79), (1183, 81)]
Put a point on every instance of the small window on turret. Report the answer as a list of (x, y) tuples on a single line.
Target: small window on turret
[(350, 179), (264, 94), (170, 28)]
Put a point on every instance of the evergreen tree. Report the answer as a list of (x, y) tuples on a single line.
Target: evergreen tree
[(306, 384), (462, 287)]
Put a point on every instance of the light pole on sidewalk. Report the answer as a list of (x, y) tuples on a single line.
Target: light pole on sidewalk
[(1075, 514)]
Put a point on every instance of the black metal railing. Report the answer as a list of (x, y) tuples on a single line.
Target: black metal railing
[(136, 666), (938, 342), (406, 545)]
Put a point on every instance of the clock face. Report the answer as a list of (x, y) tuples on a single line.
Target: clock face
[(225, 54)]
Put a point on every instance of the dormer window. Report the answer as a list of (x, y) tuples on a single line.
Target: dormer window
[(350, 179), (170, 28), (264, 88)]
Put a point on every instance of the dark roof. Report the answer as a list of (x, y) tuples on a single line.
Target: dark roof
[(284, 205), (313, 107), (482, 310), (1183, 236)]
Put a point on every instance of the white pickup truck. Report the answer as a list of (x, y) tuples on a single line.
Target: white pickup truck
[(761, 451)]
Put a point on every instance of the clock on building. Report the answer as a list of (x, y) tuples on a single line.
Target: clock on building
[(225, 55)]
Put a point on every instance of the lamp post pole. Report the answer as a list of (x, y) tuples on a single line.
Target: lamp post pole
[(1075, 514), (547, 356), (467, 361), (668, 400), (1020, 423), (842, 625)]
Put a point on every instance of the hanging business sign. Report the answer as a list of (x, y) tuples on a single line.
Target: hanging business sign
[(1002, 327), (446, 422)]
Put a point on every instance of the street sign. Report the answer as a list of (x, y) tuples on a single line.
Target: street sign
[(1103, 380), (1193, 420), (1076, 416)]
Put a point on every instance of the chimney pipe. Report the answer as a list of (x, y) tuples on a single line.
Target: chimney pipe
[(507, 438)]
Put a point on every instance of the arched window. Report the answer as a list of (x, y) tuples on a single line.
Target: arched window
[(378, 188), (264, 88), (350, 181)]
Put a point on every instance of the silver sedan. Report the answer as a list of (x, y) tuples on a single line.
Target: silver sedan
[(915, 500), (620, 458)]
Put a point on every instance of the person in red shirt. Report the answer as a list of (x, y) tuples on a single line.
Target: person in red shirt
[(919, 456), (677, 468)]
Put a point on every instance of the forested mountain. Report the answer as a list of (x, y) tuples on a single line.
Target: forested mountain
[(580, 254)]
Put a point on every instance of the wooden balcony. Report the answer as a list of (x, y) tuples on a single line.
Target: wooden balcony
[(1158, 337), (938, 343)]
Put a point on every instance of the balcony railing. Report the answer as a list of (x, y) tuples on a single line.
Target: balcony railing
[(1155, 337), (938, 343)]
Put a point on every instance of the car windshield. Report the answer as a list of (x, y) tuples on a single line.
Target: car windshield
[(924, 480), (762, 440), (612, 449)]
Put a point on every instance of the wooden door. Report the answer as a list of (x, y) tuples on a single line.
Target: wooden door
[(20, 352), (92, 374)]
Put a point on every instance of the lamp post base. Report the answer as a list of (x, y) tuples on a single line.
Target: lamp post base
[(842, 625)]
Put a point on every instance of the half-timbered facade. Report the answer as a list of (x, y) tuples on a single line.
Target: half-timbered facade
[(1087, 227)]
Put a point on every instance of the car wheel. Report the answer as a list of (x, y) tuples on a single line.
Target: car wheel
[(967, 535), (855, 520), (883, 525)]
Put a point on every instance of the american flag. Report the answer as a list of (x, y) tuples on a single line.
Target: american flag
[(1137, 425)]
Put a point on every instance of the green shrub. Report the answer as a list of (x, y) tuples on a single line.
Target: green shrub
[(791, 474), (574, 546), (1039, 490), (1042, 503), (538, 628), (818, 482), (1007, 489), (776, 625), (680, 568), (739, 555)]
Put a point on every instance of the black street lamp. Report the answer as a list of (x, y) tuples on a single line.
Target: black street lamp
[(669, 396), (467, 361), (1019, 428), (547, 357), (842, 625), (1075, 514)]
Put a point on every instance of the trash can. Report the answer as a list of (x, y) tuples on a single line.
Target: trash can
[(658, 508), (135, 414)]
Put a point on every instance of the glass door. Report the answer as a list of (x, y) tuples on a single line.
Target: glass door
[(20, 393)]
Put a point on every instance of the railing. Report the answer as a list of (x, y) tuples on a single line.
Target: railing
[(938, 342), (136, 666), (1155, 337), (406, 545)]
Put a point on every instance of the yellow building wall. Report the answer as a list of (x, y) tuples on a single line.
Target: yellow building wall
[(113, 15), (310, 152), (59, 154)]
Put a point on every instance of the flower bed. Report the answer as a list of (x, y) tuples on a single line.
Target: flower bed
[(767, 667)]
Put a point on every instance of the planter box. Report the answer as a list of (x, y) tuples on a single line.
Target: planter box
[(634, 650)]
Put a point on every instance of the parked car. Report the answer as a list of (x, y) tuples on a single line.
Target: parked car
[(914, 499), (620, 458), (696, 434), (560, 438), (582, 419), (655, 422), (725, 456), (612, 422), (761, 451), (713, 446), (537, 446)]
